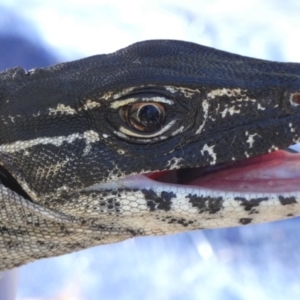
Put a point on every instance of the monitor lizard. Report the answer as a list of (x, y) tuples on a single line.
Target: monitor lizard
[(160, 137)]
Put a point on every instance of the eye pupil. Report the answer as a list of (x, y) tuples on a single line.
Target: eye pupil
[(149, 114), (144, 117)]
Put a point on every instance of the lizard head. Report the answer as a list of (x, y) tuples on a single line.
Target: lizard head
[(167, 128)]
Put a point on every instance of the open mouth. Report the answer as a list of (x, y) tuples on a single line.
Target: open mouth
[(276, 172)]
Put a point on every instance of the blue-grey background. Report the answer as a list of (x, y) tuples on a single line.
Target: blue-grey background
[(255, 262)]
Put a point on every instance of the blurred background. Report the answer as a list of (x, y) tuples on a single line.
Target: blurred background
[(252, 262)]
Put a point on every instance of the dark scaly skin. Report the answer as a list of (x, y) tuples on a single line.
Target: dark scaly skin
[(61, 133)]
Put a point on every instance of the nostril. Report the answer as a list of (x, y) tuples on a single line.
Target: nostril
[(10, 182), (295, 99)]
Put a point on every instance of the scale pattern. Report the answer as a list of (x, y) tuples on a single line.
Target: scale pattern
[(70, 161)]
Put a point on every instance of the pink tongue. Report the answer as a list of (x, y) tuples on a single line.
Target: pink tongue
[(270, 173)]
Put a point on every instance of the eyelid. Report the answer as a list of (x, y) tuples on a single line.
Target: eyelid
[(159, 99), (134, 134)]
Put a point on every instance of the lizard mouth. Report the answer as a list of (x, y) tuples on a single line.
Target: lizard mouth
[(276, 172), (269, 173), (8, 180)]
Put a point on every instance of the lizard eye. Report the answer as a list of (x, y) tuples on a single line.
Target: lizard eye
[(145, 117)]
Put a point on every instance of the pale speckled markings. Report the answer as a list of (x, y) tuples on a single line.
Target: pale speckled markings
[(54, 169), (229, 110), (205, 107), (291, 127), (188, 93), (62, 109), (120, 103), (273, 148), (89, 136), (211, 153), (90, 104), (114, 95), (250, 139), (179, 130), (3, 120), (36, 115), (237, 93), (12, 119), (260, 107), (174, 163)]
